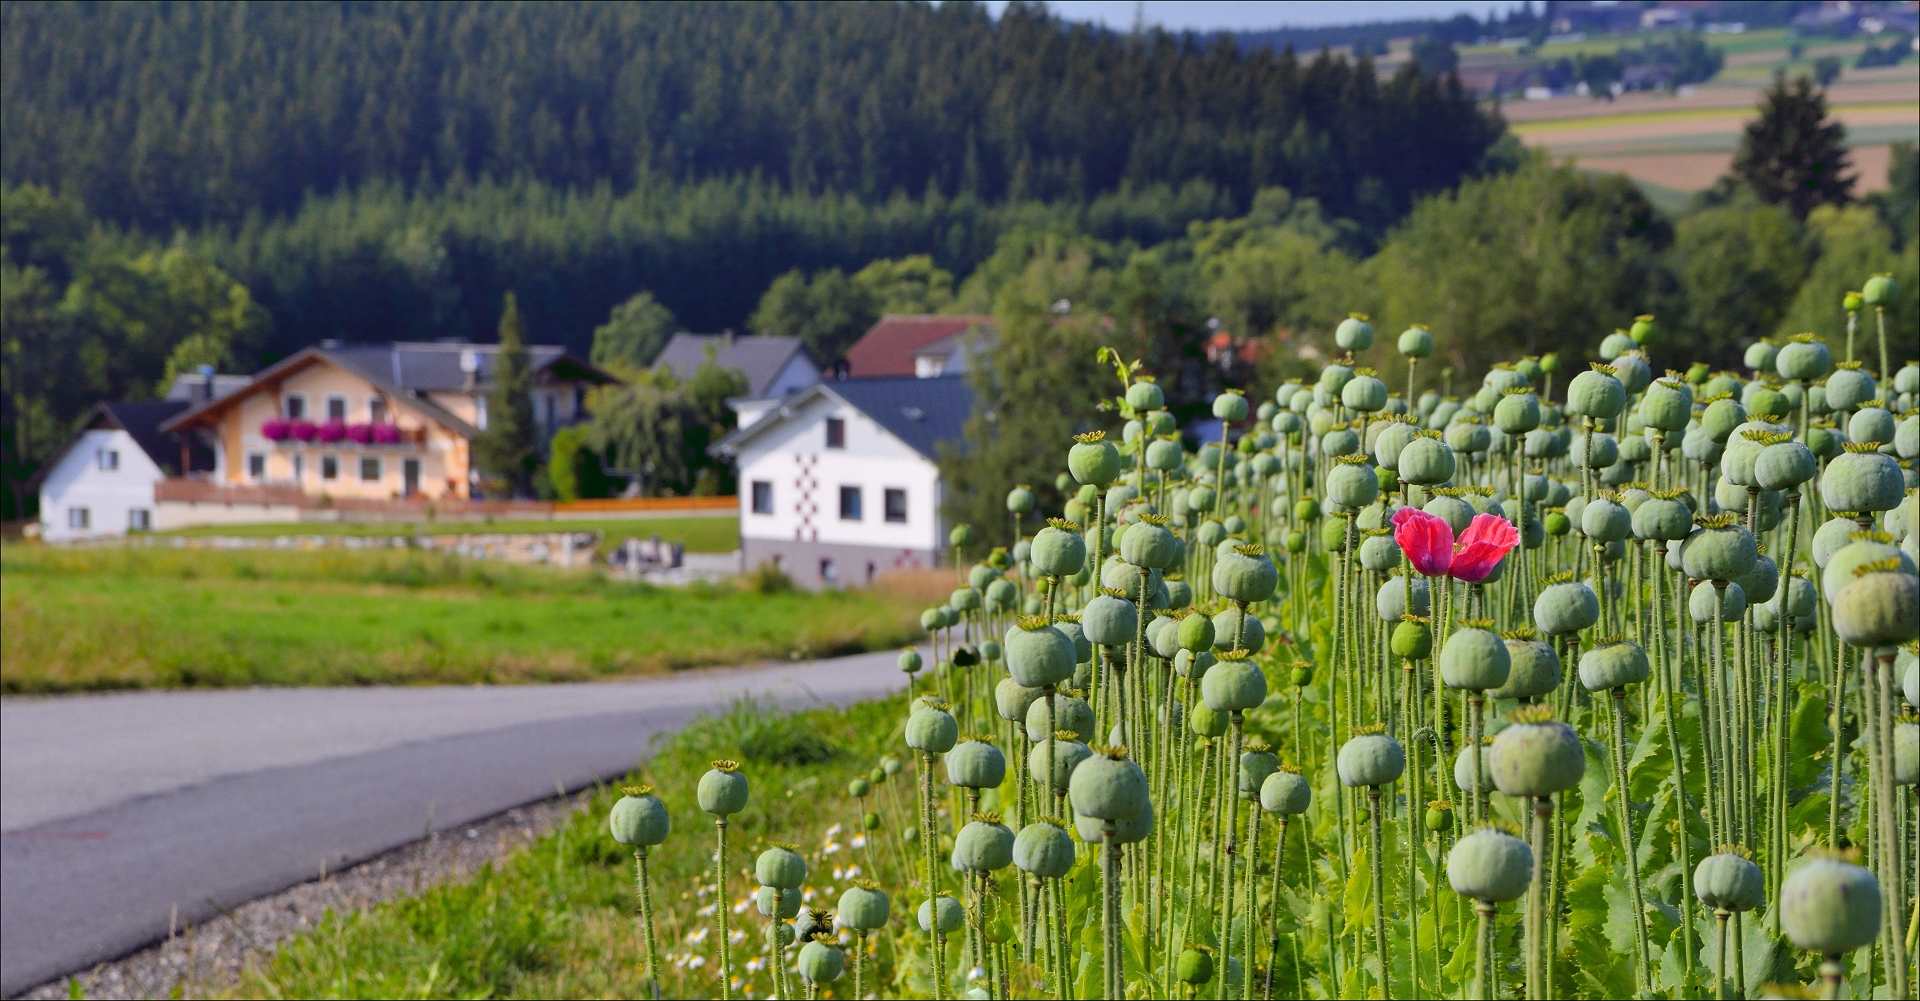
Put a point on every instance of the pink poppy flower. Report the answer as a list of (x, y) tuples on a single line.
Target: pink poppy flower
[(1482, 546), (1426, 539)]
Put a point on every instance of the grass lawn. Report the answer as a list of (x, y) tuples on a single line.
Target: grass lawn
[(110, 618), (700, 534)]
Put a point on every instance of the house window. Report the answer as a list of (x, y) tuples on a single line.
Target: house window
[(849, 503), (139, 519), (829, 572), (552, 405), (299, 469), (109, 459), (377, 410), (896, 505), (336, 408), (369, 469), (256, 466), (296, 407), (836, 433), (329, 467), (79, 518), (762, 497)]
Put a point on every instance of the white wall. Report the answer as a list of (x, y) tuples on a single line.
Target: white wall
[(807, 476), (77, 481), (798, 374)]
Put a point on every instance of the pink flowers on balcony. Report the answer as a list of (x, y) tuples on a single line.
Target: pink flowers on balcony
[(386, 434), (275, 429), (333, 431), (1429, 544), (302, 430), (362, 433)]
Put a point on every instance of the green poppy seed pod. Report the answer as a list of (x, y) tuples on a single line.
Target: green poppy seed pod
[(1044, 850), (1535, 671), (1364, 393), (1760, 356), (1370, 759), (1041, 656), (1906, 437), (1286, 422), (1556, 524), (1392, 604), (722, 792), (1643, 329), (1663, 519), (1255, 767), (1597, 450), (1266, 412), (1728, 882), (1490, 864), (1615, 344), (1517, 414), (1412, 641), (931, 619), (1193, 665), (1339, 442), (1862, 481), (931, 731), (1234, 685), (1230, 407), (952, 915), (1196, 632), (1807, 360), (1148, 545), (1795, 599), (1699, 446), (1163, 637), (1831, 537), (976, 764), (1845, 565), (1765, 402), (1784, 465), (1067, 755), (1069, 713), (1605, 520), (1721, 417), (1194, 967), (1245, 577), (1633, 372), (1732, 601), (1723, 553), (1879, 291), (1416, 342), (1470, 438), (1096, 462), (1760, 580), (1232, 621), (781, 868), (1388, 443), (1595, 394), (1011, 699), (964, 599), (1426, 462), (1126, 832), (1907, 380), (1667, 405), (1829, 906), (1286, 792), (1457, 513), (1354, 333), (1057, 552), (1164, 455), (1614, 665), (1486, 399), (1353, 486), (983, 847), (1002, 595), (1871, 424), (1474, 659), (1439, 817), (1109, 621), (640, 820), (1536, 759), (1205, 722), (1906, 754), (1020, 500), (861, 788), (1878, 609), (1302, 674), (821, 963), (786, 907), (1463, 771), (1108, 787), (1847, 388), (1634, 448), (1144, 396), (1907, 666)]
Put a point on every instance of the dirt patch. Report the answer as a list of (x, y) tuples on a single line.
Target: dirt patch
[(210, 958), (1698, 171), (1721, 96)]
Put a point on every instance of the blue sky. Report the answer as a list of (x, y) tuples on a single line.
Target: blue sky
[(1227, 15)]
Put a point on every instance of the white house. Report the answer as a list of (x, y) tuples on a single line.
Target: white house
[(102, 482), (840, 483)]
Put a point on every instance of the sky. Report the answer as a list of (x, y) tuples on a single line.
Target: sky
[(1230, 15)]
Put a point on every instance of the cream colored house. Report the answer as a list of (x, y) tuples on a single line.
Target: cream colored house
[(373, 422)]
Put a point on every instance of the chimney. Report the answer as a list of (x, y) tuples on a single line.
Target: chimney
[(470, 365), (206, 384)]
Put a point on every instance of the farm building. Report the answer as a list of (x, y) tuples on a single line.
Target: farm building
[(102, 482)]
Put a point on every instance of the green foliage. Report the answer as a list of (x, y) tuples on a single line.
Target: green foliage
[(633, 335), (572, 468), (828, 313), (506, 450), (1739, 266), (1792, 154), (761, 732), (1852, 246)]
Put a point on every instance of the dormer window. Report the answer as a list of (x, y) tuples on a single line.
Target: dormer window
[(836, 433), (296, 407)]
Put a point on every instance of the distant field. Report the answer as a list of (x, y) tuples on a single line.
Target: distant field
[(700, 534), (109, 618)]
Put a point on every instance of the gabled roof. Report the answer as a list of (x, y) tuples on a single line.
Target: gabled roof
[(889, 347), (142, 420), (760, 358), (920, 412)]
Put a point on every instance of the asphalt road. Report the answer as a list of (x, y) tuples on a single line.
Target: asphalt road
[(122, 813)]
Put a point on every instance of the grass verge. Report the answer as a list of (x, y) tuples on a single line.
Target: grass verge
[(111, 618), (700, 534)]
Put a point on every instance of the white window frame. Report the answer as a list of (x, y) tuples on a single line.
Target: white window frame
[(379, 469), (79, 519), (258, 459), (332, 474), (886, 512), (288, 406), (753, 499), (108, 459), (139, 519), (831, 425), (299, 467), (859, 496), (329, 400), (377, 410)]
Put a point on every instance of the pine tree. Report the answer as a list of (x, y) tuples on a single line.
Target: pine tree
[(506, 450), (1793, 154)]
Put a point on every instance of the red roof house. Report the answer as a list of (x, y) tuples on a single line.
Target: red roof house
[(912, 345)]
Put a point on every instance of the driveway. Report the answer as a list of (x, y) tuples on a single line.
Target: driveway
[(124, 813)]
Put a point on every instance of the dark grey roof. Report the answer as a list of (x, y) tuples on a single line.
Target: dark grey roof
[(191, 387), (141, 419), (435, 367), (760, 358), (923, 413)]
